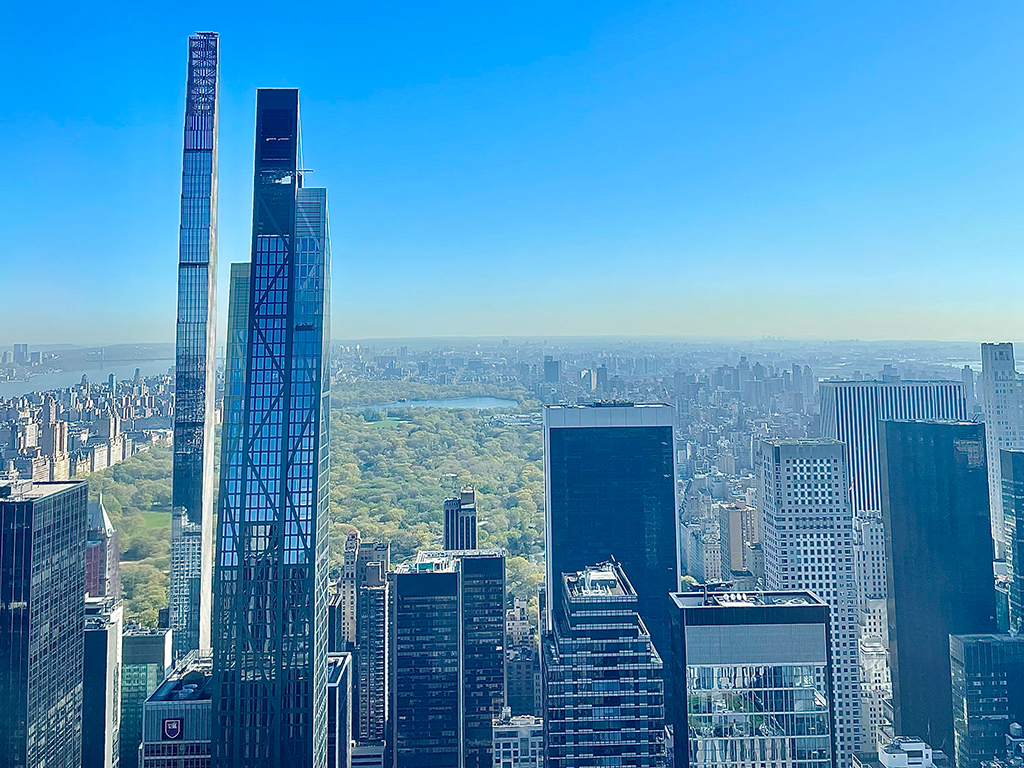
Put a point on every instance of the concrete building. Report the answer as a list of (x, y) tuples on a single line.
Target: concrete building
[(518, 741), (603, 685), (753, 682), (42, 578), (101, 683), (807, 535), (1003, 394), (903, 752), (102, 554), (935, 510), (177, 717)]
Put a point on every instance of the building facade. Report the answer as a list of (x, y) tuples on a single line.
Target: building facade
[(851, 410), (460, 520), (146, 660), (195, 357), (938, 546), (101, 683), (177, 718), (603, 686), (270, 644), (42, 622), (1003, 393), (611, 493), (752, 683), (807, 535), (339, 710), (518, 741), (1012, 478)]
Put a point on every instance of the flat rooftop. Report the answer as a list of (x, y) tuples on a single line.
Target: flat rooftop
[(25, 490), (192, 680), (603, 580), (744, 599)]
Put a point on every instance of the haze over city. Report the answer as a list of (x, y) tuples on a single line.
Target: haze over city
[(674, 169)]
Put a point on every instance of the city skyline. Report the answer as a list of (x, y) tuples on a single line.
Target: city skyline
[(684, 142)]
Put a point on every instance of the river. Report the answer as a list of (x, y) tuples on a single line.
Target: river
[(63, 379)]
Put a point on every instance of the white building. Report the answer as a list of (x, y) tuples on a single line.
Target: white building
[(518, 742), (807, 536), (1003, 392)]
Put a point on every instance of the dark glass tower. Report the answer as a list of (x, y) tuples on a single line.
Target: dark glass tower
[(195, 361), (938, 550), (270, 641), (42, 622), (611, 494)]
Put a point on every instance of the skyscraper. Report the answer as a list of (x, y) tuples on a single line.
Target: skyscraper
[(102, 554), (460, 520), (752, 683), (195, 358), (851, 410), (42, 580), (988, 694), (145, 661), (807, 534), (270, 645), (101, 684), (604, 696), (938, 549), (1012, 476), (370, 697), (611, 493), (1003, 390)]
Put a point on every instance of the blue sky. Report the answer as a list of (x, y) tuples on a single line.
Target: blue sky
[(796, 169)]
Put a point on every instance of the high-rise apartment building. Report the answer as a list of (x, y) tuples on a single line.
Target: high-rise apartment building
[(752, 685), (42, 580), (101, 683), (938, 546), (603, 687), (611, 494), (460, 520), (807, 534), (145, 661), (988, 694), (195, 358), (1003, 391), (270, 644), (1012, 476), (851, 410), (345, 629), (102, 554), (370, 678)]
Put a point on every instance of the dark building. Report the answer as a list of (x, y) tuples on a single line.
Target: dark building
[(988, 693), (42, 580), (101, 683), (339, 710), (195, 358), (751, 680), (270, 638), (145, 662), (603, 690), (426, 702), (460, 520), (611, 494), (1012, 465), (370, 693), (552, 370), (177, 718), (938, 551)]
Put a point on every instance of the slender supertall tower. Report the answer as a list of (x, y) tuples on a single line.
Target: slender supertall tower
[(192, 495), (270, 638)]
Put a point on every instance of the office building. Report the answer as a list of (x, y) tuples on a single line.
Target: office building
[(145, 662), (807, 535), (195, 357), (42, 579), (752, 683), (1003, 391), (426, 666), (1012, 477), (611, 493), (851, 410), (460, 520), (522, 662), (602, 676), (370, 696), (988, 694), (101, 683), (270, 643), (21, 354), (938, 545), (177, 718), (102, 554), (552, 370), (339, 710), (518, 741)]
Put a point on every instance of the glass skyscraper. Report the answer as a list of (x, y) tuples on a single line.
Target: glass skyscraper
[(938, 551), (195, 359), (42, 622), (1012, 477), (611, 493), (270, 639)]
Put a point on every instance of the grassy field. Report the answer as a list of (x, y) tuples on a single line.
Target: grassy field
[(156, 521)]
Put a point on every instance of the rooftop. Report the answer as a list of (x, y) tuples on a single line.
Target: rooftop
[(602, 580), (191, 680), (24, 490), (703, 599)]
